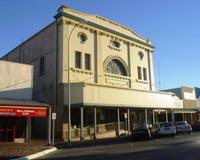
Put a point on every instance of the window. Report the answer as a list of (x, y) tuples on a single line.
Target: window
[(87, 62), (139, 72), (78, 59), (116, 67), (42, 66), (115, 44), (141, 55), (145, 74), (82, 37)]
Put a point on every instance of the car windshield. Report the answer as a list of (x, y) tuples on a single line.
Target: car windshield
[(166, 125)]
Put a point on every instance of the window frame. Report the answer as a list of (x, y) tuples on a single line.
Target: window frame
[(88, 66), (144, 73), (79, 64), (139, 72)]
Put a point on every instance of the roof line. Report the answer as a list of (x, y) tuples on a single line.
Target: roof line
[(35, 34), (102, 28)]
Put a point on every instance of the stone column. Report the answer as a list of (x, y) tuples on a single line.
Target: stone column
[(95, 123), (183, 115), (166, 115), (128, 115), (173, 116), (146, 118), (191, 118), (82, 124), (118, 122), (28, 129), (129, 63), (98, 60), (154, 120)]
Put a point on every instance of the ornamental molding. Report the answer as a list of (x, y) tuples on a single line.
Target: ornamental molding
[(103, 33)]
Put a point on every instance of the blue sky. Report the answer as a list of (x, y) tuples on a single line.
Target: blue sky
[(173, 26)]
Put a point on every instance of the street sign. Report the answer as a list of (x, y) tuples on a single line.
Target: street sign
[(53, 115)]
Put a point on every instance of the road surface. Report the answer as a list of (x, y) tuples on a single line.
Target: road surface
[(181, 147)]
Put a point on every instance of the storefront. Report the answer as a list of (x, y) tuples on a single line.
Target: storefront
[(16, 117), (189, 115)]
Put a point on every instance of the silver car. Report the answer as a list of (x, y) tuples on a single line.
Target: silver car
[(183, 127), (166, 128)]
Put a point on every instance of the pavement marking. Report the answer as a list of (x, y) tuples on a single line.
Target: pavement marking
[(36, 155)]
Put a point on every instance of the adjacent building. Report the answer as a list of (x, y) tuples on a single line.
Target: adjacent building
[(19, 114), (110, 71), (190, 99)]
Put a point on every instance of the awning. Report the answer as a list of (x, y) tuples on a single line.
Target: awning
[(185, 111), (159, 110), (104, 95), (24, 108)]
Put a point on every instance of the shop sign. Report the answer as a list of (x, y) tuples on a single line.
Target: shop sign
[(23, 111)]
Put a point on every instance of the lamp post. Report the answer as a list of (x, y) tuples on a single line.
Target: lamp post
[(82, 21)]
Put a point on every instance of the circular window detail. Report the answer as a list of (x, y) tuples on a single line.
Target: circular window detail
[(141, 55), (82, 37), (115, 43), (116, 67)]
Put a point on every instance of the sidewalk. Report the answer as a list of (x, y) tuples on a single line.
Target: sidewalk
[(14, 150), (101, 139)]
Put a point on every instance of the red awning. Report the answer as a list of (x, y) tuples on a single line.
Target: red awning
[(20, 108), (23, 111)]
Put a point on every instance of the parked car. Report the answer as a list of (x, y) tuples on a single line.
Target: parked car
[(166, 128), (183, 127), (141, 133), (196, 126)]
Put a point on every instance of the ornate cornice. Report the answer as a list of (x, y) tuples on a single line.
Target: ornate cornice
[(133, 41)]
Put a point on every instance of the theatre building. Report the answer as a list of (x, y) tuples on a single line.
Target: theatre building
[(18, 112), (110, 71)]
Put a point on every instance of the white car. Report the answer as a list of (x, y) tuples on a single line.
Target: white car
[(166, 128), (183, 127)]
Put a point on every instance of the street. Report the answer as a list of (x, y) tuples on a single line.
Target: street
[(184, 147)]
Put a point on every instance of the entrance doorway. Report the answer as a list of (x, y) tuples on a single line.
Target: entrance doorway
[(8, 129)]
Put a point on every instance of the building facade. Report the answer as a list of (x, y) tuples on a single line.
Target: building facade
[(19, 114), (110, 71), (190, 102), (16, 80)]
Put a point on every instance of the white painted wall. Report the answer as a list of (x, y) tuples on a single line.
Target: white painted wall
[(189, 96), (16, 80)]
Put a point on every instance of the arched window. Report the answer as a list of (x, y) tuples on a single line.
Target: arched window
[(141, 55), (114, 66)]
